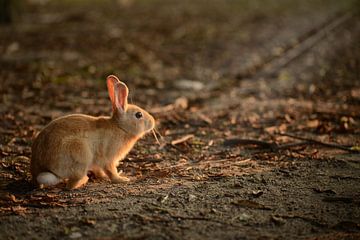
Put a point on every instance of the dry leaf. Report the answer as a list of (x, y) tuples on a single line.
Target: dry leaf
[(19, 210), (313, 123)]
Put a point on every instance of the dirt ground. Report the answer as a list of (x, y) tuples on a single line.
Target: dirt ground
[(257, 103)]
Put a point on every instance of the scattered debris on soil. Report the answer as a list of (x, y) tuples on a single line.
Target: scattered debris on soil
[(257, 107)]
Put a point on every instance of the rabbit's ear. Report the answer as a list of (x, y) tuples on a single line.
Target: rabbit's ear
[(121, 96), (118, 93)]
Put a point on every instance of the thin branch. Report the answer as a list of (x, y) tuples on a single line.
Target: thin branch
[(182, 139), (330, 145), (273, 146)]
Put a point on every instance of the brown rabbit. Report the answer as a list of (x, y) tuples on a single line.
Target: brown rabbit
[(70, 146)]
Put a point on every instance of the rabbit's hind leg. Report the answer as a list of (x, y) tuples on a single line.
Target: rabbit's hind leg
[(76, 182), (81, 158), (98, 172)]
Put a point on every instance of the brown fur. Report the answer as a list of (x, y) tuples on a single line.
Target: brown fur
[(71, 146)]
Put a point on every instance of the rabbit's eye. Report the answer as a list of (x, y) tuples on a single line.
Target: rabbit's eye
[(138, 115)]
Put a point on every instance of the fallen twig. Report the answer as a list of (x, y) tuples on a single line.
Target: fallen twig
[(344, 177), (268, 145), (276, 147), (182, 139), (331, 145)]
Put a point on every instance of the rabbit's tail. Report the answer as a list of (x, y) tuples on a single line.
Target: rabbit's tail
[(47, 179)]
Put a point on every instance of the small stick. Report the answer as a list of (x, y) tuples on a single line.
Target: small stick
[(331, 145), (290, 145), (182, 139), (275, 147)]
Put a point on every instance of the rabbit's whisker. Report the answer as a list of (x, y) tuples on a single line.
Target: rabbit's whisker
[(157, 132), (157, 140)]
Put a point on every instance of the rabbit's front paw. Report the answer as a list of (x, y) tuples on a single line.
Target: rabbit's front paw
[(120, 179)]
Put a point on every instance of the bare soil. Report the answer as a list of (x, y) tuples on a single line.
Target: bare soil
[(257, 103)]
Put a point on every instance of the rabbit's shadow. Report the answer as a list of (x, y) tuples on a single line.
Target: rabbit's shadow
[(20, 187)]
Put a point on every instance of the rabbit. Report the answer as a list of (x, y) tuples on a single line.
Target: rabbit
[(71, 146)]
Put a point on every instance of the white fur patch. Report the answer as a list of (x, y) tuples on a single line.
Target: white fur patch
[(47, 179)]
